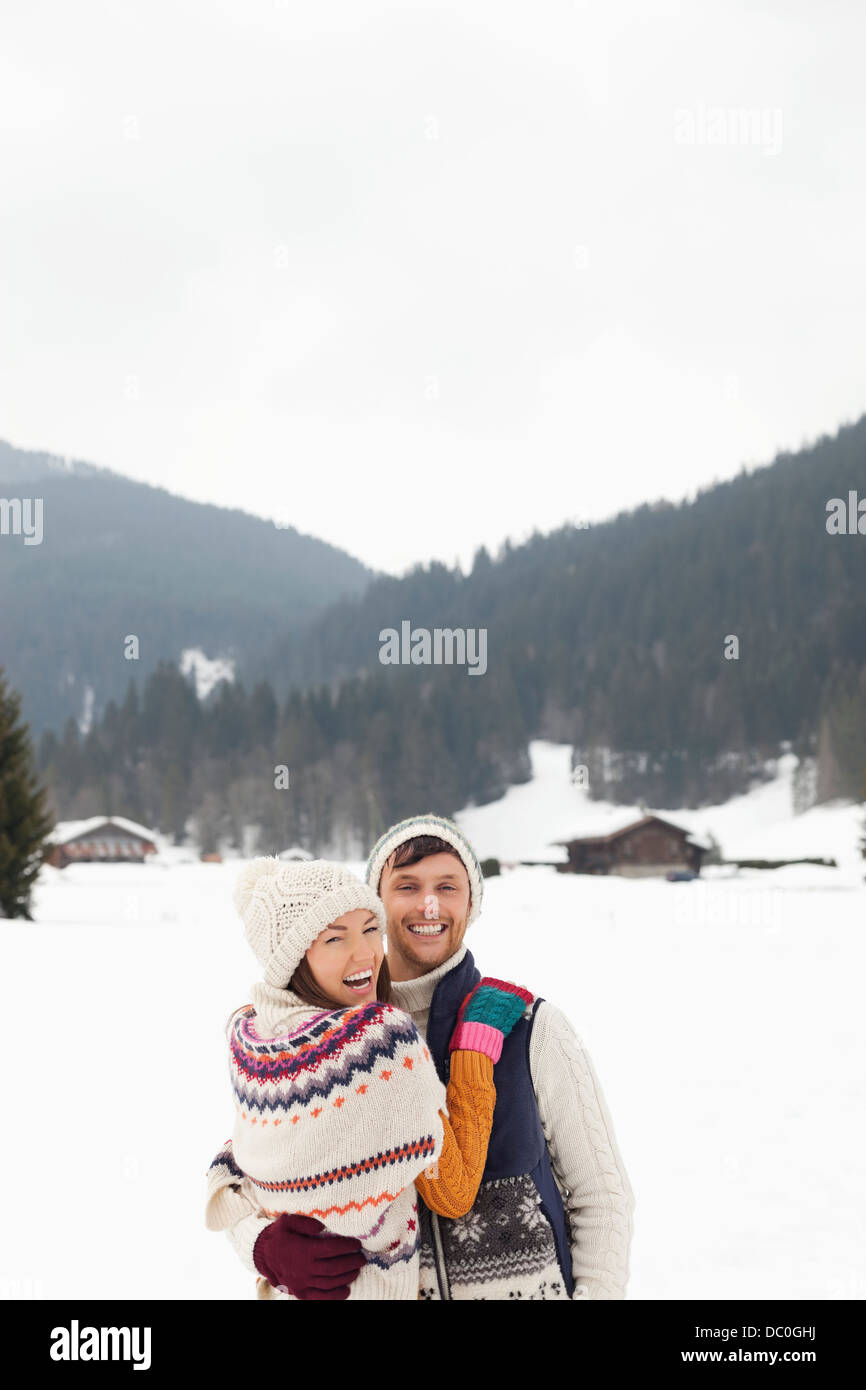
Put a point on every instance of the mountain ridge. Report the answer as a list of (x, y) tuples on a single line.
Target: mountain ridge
[(121, 557)]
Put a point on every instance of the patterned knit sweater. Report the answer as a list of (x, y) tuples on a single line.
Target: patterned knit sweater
[(337, 1116)]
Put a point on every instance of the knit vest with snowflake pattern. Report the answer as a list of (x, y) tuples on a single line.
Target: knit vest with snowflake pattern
[(514, 1243)]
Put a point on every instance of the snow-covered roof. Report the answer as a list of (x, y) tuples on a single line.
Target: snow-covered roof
[(66, 830), (702, 841), (612, 820), (605, 820)]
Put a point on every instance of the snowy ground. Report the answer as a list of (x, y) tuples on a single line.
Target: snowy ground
[(724, 1018)]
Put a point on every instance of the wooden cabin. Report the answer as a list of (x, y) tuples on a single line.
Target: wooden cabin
[(101, 839), (645, 847)]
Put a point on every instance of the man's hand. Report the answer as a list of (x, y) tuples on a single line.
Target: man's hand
[(291, 1254)]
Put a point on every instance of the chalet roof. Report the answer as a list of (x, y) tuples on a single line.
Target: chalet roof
[(620, 822), (67, 830), (599, 822)]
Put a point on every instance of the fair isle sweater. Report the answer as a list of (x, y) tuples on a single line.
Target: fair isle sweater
[(336, 1114), (581, 1141)]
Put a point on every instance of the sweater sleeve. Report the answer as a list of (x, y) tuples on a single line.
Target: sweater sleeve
[(583, 1150), (470, 1100), (229, 1208), (243, 1236)]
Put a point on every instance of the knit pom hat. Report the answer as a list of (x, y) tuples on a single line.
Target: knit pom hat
[(444, 830), (284, 906)]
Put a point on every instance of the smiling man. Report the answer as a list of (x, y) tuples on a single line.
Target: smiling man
[(553, 1215)]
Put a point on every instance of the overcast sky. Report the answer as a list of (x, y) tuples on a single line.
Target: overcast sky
[(418, 277)]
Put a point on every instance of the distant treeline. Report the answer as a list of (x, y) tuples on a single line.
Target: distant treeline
[(358, 759), (372, 751)]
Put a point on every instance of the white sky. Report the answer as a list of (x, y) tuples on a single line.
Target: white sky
[(416, 277)]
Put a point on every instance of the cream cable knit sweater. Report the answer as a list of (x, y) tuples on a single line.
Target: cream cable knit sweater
[(586, 1161)]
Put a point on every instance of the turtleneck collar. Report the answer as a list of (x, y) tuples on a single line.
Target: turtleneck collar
[(280, 1010), (412, 996)]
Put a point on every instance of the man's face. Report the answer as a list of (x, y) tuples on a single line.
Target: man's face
[(427, 905)]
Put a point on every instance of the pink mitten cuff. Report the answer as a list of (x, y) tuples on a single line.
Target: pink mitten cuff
[(477, 1037)]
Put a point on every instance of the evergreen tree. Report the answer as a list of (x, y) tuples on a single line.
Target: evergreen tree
[(210, 824), (262, 717), (24, 822)]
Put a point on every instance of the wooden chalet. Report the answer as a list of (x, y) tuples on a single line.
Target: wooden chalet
[(101, 839), (642, 848)]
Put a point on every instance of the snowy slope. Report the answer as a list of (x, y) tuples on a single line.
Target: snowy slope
[(206, 672), (759, 825)]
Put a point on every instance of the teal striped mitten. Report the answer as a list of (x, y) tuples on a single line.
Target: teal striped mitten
[(487, 1015)]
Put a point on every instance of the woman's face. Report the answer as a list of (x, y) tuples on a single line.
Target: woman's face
[(352, 946)]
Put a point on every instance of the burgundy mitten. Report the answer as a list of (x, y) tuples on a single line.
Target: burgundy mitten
[(292, 1254)]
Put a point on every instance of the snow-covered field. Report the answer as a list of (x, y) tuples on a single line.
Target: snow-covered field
[(724, 1018)]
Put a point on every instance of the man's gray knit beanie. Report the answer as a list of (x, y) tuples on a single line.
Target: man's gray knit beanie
[(444, 830)]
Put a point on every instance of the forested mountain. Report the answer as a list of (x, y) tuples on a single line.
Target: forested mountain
[(616, 635), (118, 557), (613, 638)]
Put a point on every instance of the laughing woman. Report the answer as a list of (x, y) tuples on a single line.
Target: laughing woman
[(339, 1112)]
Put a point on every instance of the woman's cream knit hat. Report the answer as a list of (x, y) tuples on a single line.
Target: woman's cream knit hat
[(284, 906)]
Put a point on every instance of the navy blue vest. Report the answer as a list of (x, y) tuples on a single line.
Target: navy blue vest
[(517, 1144)]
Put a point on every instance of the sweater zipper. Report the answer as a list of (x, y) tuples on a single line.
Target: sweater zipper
[(441, 1274)]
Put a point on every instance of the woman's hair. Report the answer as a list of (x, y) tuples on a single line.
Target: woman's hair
[(304, 984)]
